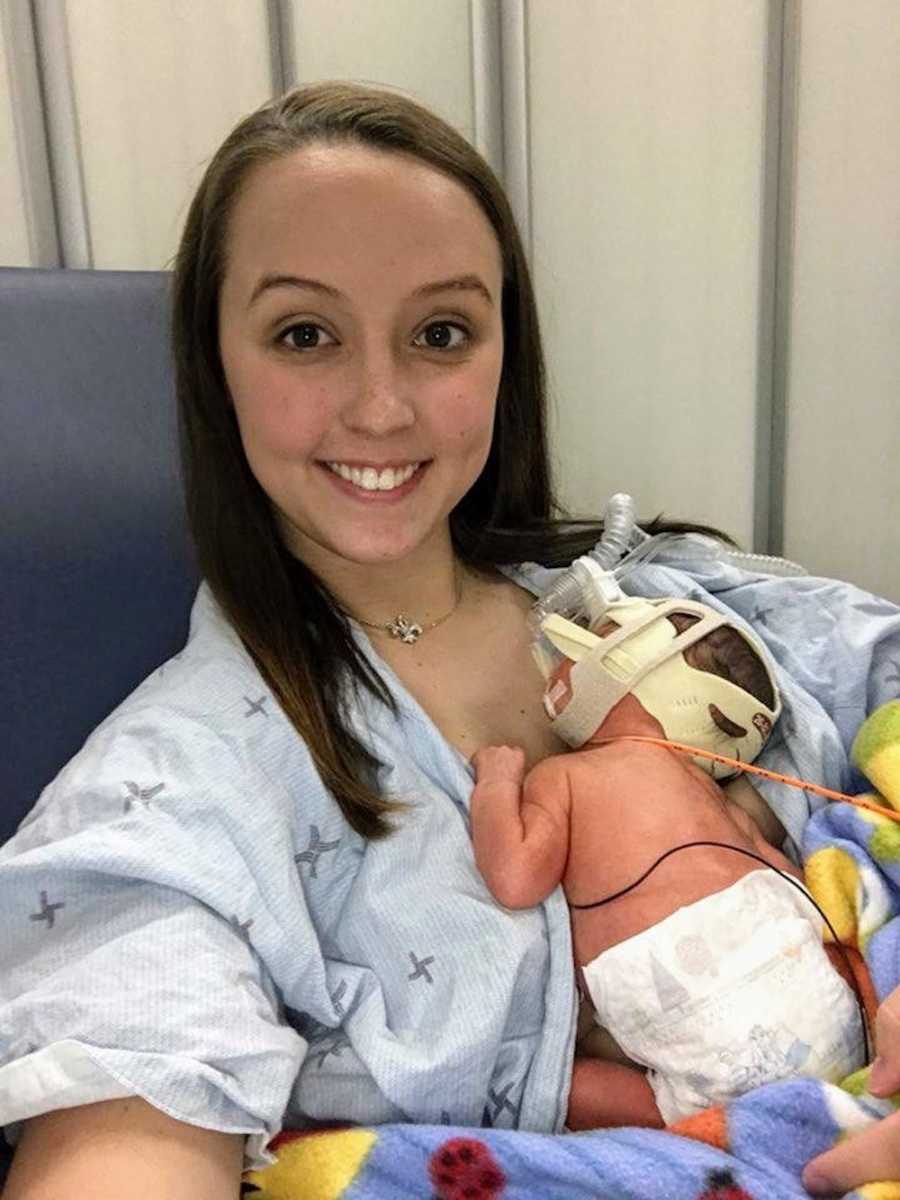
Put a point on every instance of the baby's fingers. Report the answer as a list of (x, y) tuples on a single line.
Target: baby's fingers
[(499, 762), (865, 1157)]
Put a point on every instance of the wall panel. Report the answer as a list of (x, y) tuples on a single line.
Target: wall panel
[(842, 495), (640, 160), (28, 231), (424, 49), (156, 87), (646, 168), (15, 248)]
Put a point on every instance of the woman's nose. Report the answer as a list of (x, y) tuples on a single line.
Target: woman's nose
[(382, 399)]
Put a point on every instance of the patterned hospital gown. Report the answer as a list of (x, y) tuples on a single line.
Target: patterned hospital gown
[(188, 917)]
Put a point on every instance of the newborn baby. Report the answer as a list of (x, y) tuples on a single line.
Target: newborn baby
[(706, 972)]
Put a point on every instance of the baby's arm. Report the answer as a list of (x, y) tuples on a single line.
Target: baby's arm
[(520, 826), (750, 825), (740, 791)]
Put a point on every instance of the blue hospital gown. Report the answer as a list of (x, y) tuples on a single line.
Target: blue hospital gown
[(189, 918)]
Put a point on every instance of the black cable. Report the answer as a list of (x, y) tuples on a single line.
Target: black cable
[(784, 875)]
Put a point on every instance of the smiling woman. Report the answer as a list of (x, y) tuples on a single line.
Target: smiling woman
[(374, 238), (371, 406), (291, 928)]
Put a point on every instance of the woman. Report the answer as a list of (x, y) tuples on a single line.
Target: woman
[(298, 921)]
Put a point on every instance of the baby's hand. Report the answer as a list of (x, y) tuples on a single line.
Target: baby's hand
[(499, 764)]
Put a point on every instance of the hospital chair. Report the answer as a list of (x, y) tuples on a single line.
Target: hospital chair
[(96, 570)]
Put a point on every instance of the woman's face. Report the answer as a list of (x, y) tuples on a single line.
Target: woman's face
[(364, 379)]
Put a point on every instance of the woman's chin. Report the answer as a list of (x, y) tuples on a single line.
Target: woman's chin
[(323, 551)]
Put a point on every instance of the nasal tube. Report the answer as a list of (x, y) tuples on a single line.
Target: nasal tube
[(588, 586)]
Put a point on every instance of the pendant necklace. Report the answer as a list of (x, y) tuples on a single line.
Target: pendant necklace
[(407, 630)]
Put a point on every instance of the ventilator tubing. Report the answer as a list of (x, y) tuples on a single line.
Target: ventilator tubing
[(586, 590), (591, 583), (588, 586)]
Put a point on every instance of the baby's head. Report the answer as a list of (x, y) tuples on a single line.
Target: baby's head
[(678, 664)]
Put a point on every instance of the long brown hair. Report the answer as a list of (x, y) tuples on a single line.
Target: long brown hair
[(287, 619)]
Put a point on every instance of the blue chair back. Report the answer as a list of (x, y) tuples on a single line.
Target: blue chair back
[(96, 570)]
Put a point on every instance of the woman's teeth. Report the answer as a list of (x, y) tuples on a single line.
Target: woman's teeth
[(371, 480)]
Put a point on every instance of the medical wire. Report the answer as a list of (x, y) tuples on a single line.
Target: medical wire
[(777, 777), (804, 785), (784, 875)]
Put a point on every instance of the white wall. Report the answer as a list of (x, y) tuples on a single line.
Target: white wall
[(423, 48), (842, 496), (646, 153), (639, 147), (156, 88)]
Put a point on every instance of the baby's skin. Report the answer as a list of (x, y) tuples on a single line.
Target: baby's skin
[(594, 820)]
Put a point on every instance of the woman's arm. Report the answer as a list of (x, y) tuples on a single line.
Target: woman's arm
[(123, 1150)]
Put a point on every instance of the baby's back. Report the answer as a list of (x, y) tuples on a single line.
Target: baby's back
[(631, 804)]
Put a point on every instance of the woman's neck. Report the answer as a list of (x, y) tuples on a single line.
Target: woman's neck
[(423, 586)]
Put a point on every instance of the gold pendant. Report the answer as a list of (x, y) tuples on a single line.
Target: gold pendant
[(406, 631)]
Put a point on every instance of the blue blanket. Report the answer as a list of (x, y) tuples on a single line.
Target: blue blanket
[(752, 1149)]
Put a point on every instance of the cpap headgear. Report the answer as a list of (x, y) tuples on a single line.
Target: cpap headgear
[(644, 657)]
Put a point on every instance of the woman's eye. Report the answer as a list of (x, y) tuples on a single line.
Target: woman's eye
[(304, 336), (439, 336)]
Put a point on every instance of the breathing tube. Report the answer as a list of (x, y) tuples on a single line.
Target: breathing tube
[(588, 587)]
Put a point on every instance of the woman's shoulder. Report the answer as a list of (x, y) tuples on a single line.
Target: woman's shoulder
[(202, 734), (206, 694)]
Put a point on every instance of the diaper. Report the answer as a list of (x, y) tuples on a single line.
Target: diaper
[(727, 993)]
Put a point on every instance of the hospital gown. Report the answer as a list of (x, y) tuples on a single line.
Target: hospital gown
[(189, 918)]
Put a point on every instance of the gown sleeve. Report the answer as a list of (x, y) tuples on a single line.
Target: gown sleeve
[(151, 906)]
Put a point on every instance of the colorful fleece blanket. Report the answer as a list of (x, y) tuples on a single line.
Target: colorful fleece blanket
[(752, 1149)]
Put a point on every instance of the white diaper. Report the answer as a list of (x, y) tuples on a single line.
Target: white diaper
[(727, 993)]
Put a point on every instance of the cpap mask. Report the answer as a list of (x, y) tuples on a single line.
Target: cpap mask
[(587, 674), (644, 657)]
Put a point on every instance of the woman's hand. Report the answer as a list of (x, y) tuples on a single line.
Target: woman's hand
[(873, 1154)]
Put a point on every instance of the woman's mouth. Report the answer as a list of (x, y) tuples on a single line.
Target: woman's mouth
[(372, 482)]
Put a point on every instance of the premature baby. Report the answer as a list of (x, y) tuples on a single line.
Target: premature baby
[(709, 975)]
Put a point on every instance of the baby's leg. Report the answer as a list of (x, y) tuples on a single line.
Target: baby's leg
[(604, 1094), (592, 1041), (607, 1087)]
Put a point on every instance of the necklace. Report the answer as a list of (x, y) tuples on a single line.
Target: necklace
[(409, 631)]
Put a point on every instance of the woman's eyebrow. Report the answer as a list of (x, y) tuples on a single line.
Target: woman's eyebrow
[(467, 283), (460, 283)]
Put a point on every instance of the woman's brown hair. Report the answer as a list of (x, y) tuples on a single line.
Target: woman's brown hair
[(290, 624)]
